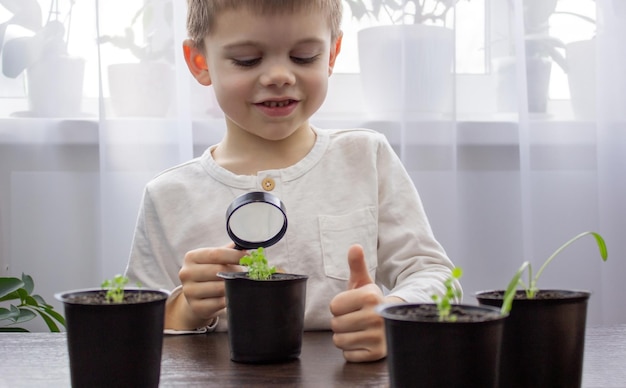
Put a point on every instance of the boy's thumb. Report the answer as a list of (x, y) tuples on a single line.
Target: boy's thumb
[(359, 276)]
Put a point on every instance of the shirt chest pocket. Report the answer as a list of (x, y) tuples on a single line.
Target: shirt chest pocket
[(339, 232)]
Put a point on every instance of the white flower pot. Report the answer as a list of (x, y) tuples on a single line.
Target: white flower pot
[(141, 89), (407, 71), (537, 83), (581, 76), (55, 86)]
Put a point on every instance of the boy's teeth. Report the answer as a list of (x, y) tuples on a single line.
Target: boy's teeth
[(274, 104)]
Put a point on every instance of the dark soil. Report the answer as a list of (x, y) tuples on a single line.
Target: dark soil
[(99, 297), (429, 313), (541, 294), (274, 277)]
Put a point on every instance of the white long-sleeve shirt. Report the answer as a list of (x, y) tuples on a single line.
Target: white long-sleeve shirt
[(350, 188)]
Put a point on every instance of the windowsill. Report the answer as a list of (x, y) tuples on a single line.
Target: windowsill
[(206, 131), (343, 108)]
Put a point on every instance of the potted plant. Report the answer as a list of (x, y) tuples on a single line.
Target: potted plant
[(30, 305), (145, 87), (54, 78), (265, 311), (541, 49), (442, 344), (398, 79), (114, 334), (544, 335), (581, 72)]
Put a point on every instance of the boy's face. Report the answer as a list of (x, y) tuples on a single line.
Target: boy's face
[(269, 72)]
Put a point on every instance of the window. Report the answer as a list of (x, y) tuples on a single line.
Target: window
[(469, 24), (567, 27)]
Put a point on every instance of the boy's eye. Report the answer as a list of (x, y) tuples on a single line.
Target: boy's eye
[(246, 62), (304, 60), (255, 61)]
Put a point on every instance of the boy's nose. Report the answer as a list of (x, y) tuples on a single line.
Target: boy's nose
[(278, 75)]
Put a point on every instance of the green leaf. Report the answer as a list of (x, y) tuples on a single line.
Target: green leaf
[(256, 262), (40, 300), (23, 294), (12, 296), (15, 311), (444, 302), (13, 330), (599, 241), (115, 288), (29, 307), (29, 284), (9, 314), (601, 246), (51, 325), (511, 289), (25, 315), (50, 311), (8, 286), (30, 301)]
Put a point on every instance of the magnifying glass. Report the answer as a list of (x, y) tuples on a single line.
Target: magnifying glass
[(256, 219)]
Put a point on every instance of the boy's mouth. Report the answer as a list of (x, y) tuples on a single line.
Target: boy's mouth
[(278, 107), (277, 104)]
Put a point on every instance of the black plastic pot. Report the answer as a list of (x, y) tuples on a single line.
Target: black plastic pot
[(544, 338), (114, 345), (265, 317), (423, 352)]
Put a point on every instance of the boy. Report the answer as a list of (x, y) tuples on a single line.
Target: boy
[(354, 214)]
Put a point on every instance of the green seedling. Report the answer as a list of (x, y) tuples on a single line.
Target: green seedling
[(444, 302), (115, 288), (258, 268), (531, 287), (29, 306)]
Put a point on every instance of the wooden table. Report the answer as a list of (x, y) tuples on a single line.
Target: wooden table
[(40, 360)]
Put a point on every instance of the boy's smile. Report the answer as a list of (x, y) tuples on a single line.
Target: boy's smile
[(277, 108)]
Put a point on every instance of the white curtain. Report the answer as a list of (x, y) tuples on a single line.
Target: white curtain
[(502, 180)]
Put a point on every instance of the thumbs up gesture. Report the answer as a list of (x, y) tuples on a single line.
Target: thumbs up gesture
[(359, 330)]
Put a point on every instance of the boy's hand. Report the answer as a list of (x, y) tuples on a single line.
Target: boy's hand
[(359, 330), (204, 295)]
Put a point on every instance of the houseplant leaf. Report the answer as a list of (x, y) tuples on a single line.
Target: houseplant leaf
[(8, 286), (13, 330), (29, 283), (8, 313), (25, 315), (55, 315), (509, 293), (532, 287), (52, 326), (29, 306), (19, 53)]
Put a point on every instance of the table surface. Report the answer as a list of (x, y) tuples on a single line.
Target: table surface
[(40, 360)]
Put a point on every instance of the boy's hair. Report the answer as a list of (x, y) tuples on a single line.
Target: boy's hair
[(201, 14)]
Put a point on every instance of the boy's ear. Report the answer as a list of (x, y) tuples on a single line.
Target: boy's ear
[(196, 62), (333, 54)]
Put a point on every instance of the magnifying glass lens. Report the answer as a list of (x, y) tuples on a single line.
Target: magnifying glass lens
[(256, 220)]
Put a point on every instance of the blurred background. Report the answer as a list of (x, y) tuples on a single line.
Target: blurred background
[(508, 114)]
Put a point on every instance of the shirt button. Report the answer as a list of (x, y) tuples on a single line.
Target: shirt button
[(268, 184)]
